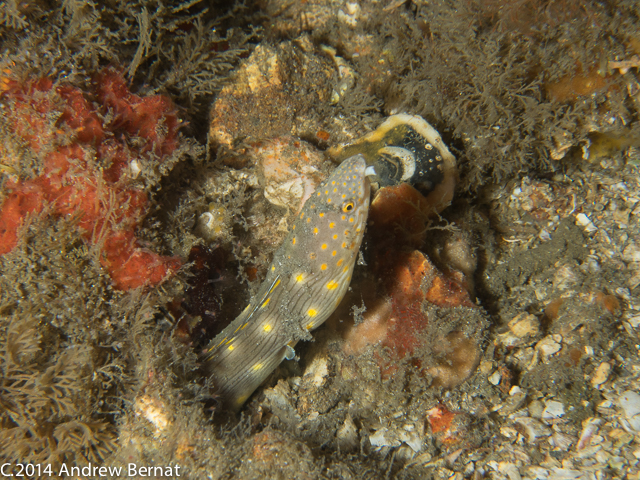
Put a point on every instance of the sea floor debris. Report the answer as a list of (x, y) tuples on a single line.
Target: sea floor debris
[(495, 338)]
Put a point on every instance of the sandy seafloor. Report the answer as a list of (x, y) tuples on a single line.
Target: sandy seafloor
[(539, 376)]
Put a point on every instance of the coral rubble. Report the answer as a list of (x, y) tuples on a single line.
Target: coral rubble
[(488, 334)]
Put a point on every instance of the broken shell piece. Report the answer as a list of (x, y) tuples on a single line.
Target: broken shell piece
[(531, 428), (589, 428), (345, 72), (552, 411), (134, 168), (291, 170), (583, 221), (347, 434), (405, 148), (280, 402), (561, 441), (383, 438), (396, 436), (317, 372), (630, 403), (601, 374), (214, 224), (285, 193)]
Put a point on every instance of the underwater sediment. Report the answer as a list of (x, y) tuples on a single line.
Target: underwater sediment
[(154, 158)]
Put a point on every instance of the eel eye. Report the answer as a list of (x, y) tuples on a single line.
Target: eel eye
[(347, 207)]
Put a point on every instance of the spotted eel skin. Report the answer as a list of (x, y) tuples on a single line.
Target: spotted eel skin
[(306, 281)]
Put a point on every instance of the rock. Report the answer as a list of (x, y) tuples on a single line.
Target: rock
[(271, 94), (396, 318), (451, 429), (153, 410)]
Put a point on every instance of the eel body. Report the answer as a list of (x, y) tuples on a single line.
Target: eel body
[(308, 277)]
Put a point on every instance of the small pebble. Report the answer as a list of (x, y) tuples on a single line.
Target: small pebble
[(548, 346), (524, 324), (494, 378), (601, 374)]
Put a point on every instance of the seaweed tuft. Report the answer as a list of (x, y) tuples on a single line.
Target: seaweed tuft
[(59, 372)]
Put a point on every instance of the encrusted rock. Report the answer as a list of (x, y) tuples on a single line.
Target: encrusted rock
[(155, 411), (271, 94), (290, 168)]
